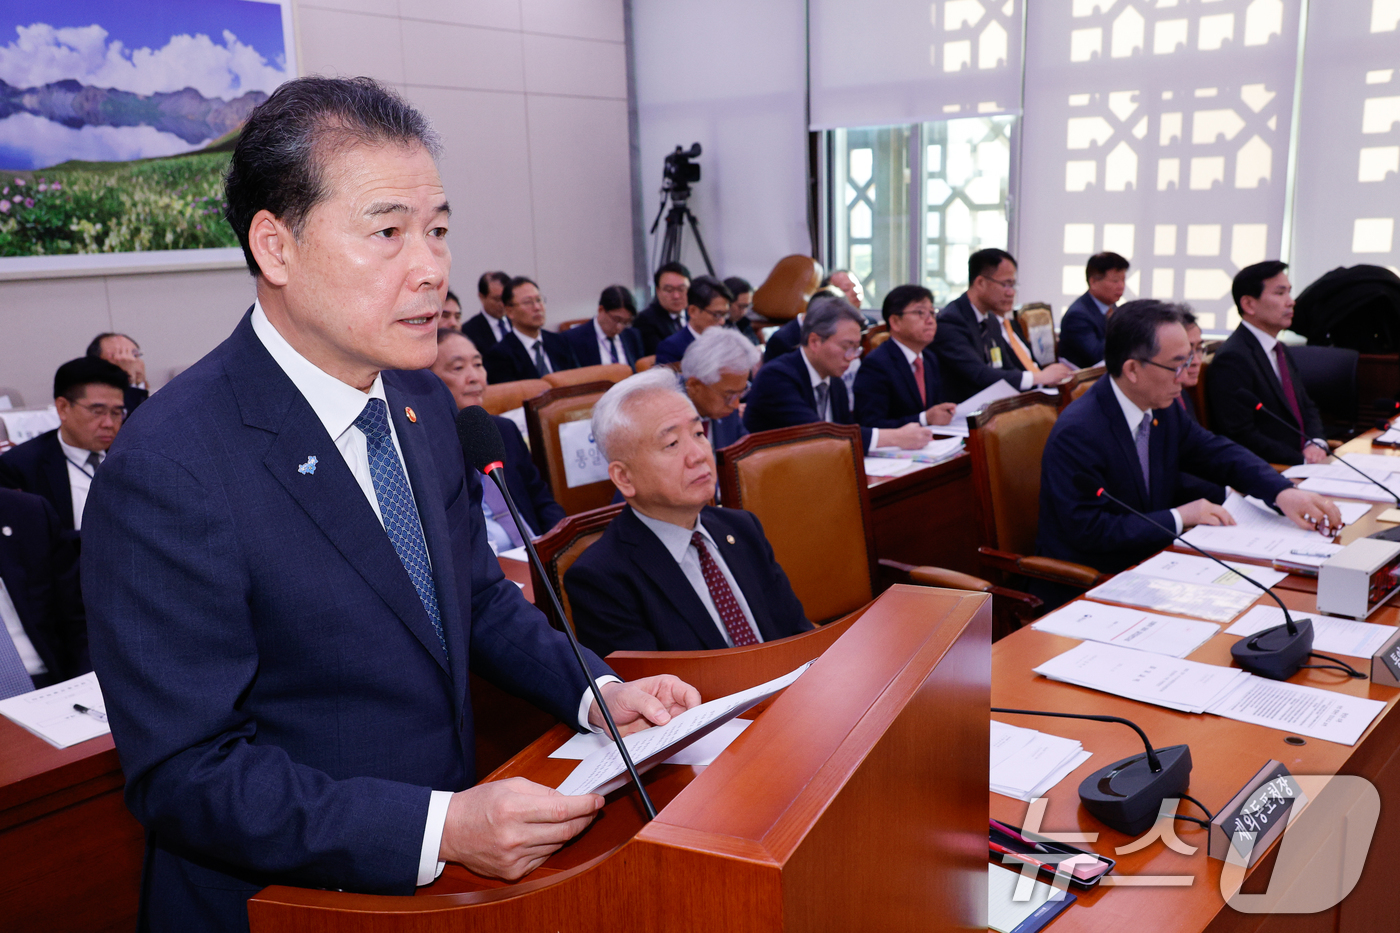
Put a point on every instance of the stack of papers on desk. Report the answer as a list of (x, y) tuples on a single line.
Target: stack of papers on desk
[(1026, 763), (1193, 568), (886, 466), (970, 406), (1188, 585), (1263, 534), (1330, 635), (937, 450), (1346, 489), (1131, 628), (49, 713)]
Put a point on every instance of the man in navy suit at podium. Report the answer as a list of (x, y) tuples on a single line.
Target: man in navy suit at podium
[(288, 573)]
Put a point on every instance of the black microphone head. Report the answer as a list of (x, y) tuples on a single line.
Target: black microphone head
[(1087, 485), (1244, 395), (480, 438)]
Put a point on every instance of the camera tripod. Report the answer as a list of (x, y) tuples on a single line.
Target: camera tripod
[(675, 228)]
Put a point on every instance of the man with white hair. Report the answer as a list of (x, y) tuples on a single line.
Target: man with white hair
[(716, 369), (672, 573)]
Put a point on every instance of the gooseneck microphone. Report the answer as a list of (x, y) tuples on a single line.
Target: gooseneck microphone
[(481, 443), (1244, 395), (1276, 653), (1127, 795)]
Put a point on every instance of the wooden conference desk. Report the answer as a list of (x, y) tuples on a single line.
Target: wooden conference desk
[(928, 516), (1225, 754)]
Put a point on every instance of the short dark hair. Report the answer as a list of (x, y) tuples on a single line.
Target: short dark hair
[(675, 267), (1250, 280), (823, 316), (483, 284), (95, 348), (985, 261), (705, 289), (1101, 264), (451, 296), (615, 297), (901, 297), (1132, 331), (1188, 319), (445, 332), (74, 376), (737, 285), (508, 290), (280, 158)]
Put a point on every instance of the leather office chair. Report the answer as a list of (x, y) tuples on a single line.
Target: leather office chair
[(824, 543), (605, 372), (1037, 323), (1329, 375), (543, 415), (1082, 381), (784, 294), (645, 363), (508, 396), (873, 337), (575, 322), (560, 547), (1006, 441)]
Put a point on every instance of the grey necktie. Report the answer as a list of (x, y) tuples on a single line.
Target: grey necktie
[(94, 459), (612, 348), (823, 399), (1144, 432), (541, 366)]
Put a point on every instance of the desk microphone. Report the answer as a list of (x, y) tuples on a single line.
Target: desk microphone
[(1127, 795), (1276, 653), (1244, 395), (481, 443)]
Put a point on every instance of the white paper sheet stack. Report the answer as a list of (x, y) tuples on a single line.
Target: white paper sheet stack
[(1026, 763)]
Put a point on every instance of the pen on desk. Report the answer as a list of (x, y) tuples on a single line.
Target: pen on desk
[(94, 713), (1017, 836)]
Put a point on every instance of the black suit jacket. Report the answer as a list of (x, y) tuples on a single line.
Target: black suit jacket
[(1242, 364), (132, 397), (628, 594), (654, 325), (1091, 437), (783, 340), (480, 331), (40, 570), (782, 396), (508, 360), (963, 348), (886, 394), (1082, 331), (38, 466), (529, 490), (583, 339)]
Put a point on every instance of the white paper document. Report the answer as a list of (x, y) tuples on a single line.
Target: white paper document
[(1262, 533), (1333, 636), (1132, 628), (1192, 568), (1200, 600), (516, 553), (603, 771), (973, 404), (49, 713), (583, 463), (1346, 489), (701, 752), (1175, 683), (936, 451), (1026, 763), (1374, 464), (1006, 910), (1318, 714), (1343, 472), (886, 466)]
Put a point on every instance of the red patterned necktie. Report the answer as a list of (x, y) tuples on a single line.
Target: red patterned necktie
[(728, 607), (919, 379), (1285, 379)]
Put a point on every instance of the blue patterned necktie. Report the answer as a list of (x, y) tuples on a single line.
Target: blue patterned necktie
[(396, 505), (14, 679)]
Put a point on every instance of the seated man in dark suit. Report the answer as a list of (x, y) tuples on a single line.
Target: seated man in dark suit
[(528, 351), (707, 305), (1254, 359), (739, 307), (806, 386), (976, 342), (786, 338), (40, 605), (121, 350), (716, 371), (1129, 437), (666, 313), (672, 573), (459, 365), (1082, 327), (489, 325), (898, 382), (1193, 487), (609, 337), (89, 394)]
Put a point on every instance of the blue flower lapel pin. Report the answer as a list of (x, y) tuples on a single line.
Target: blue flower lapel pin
[(308, 467)]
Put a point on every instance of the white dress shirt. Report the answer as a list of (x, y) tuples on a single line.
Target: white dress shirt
[(337, 405), (677, 542), (79, 476), (530, 350), (33, 664), (1134, 415), (909, 357), (1027, 377), (818, 379), (604, 354), (1268, 343)]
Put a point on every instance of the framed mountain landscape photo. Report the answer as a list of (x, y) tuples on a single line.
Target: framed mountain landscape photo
[(117, 119)]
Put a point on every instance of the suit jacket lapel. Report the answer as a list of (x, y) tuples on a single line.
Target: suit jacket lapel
[(55, 466), (1266, 369), (655, 562), (905, 375), (1118, 427)]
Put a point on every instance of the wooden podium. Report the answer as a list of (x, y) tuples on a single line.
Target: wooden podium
[(856, 800)]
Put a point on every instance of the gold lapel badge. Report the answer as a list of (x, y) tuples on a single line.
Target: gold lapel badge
[(411, 416)]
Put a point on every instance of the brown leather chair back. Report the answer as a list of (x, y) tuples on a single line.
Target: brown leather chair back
[(1082, 381), (508, 396), (606, 372), (1006, 441), (784, 294), (575, 322), (543, 415), (645, 363), (1037, 323), (874, 337), (807, 486), (560, 547)]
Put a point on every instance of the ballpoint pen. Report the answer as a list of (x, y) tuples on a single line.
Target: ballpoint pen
[(88, 711)]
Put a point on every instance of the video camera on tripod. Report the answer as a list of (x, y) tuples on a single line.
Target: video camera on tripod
[(678, 174)]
